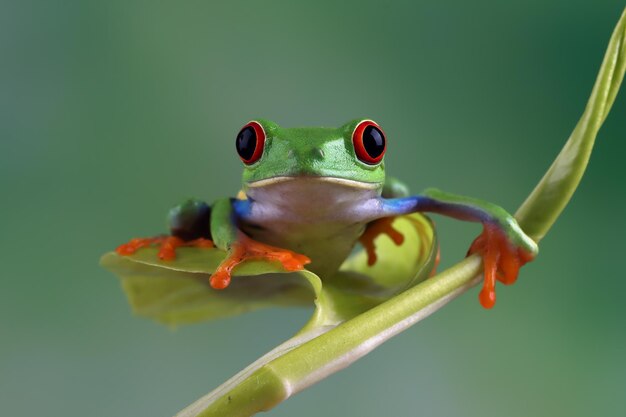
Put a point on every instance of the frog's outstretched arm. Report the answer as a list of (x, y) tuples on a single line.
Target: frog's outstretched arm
[(240, 247), (503, 244), (462, 208)]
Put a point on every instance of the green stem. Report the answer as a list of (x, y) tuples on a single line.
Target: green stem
[(310, 357), (558, 184), (334, 349)]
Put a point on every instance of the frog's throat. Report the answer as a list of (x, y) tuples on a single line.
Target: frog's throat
[(331, 180)]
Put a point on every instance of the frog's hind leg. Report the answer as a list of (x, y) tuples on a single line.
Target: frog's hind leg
[(374, 229), (393, 188), (189, 227), (190, 220)]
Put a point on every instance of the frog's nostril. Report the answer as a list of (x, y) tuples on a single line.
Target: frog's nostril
[(312, 153), (318, 153)]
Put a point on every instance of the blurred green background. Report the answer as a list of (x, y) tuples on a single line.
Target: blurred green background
[(111, 112)]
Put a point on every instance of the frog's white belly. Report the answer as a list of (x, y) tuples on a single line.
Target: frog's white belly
[(320, 217)]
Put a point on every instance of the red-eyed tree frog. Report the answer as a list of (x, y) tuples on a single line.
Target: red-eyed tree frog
[(310, 194)]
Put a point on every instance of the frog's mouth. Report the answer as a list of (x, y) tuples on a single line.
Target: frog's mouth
[(329, 180)]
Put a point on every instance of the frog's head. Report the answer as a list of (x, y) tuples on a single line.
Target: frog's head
[(351, 155)]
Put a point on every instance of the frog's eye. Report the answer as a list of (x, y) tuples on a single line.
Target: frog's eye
[(369, 142), (250, 142)]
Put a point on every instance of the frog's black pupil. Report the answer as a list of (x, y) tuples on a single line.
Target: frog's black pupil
[(246, 142), (373, 141)]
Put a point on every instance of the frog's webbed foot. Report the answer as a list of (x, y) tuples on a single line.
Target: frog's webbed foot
[(376, 228), (167, 245), (189, 227), (246, 248), (502, 260)]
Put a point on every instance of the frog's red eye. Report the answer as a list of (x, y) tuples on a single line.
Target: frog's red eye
[(250, 142), (369, 142)]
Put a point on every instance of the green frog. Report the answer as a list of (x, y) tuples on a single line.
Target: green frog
[(310, 194)]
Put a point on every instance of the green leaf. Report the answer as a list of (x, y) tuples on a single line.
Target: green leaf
[(357, 287), (178, 292), (172, 294)]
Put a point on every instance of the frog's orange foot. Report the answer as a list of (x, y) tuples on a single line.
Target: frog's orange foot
[(501, 259), (376, 228), (167, 245), (246, 248)]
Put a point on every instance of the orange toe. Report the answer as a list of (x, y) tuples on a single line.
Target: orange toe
[(135, 244), (501, 260), (244, 249), (379, 227), (167, 245)]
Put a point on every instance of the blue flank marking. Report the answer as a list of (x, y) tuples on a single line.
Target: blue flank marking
[(242, 208), (404, 205)]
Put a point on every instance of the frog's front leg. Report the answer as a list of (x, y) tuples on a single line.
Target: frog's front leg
[(503, 244), (239, 246)]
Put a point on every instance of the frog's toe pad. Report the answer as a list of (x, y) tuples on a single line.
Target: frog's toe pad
[(502, 261)]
